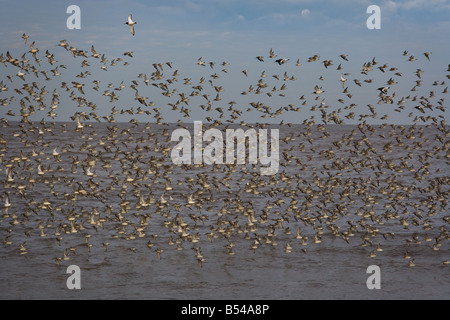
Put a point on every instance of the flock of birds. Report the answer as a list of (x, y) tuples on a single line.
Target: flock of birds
[(116, 182)]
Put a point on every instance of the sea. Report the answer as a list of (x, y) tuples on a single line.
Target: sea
[(353, 212)]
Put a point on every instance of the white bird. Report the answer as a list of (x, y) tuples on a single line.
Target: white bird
[(88, 172), (343, 80), (7, 201), (21, 74), (131, 23), (40, 171), (79, 124)]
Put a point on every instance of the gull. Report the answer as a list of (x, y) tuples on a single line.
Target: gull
[(131, 23)]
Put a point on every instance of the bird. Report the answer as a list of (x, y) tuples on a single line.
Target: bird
[(281, 61), (25, 37), (420, 108), (383, 89), (200, 62), (272, 53), (327, 63), (94, 53), (131, 23), (318, 90), (21, 74), (342, 79), (33, 50), (7, 201)]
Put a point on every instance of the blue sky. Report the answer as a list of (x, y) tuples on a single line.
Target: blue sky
[(181, 31)]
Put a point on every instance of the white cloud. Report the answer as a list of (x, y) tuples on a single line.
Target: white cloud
[(305, 12)]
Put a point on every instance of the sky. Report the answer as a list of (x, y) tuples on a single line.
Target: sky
[(182, 31)]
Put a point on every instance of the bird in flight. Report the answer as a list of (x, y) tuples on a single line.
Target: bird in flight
[(281, 61), (131, 23), (383, 89)]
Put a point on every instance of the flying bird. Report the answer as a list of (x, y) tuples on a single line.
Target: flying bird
[(131, 23), (343, 80), (383, 89), (318, 90), (25, 37), (281, 61)]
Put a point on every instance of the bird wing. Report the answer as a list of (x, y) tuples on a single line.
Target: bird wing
[(132, 29)]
